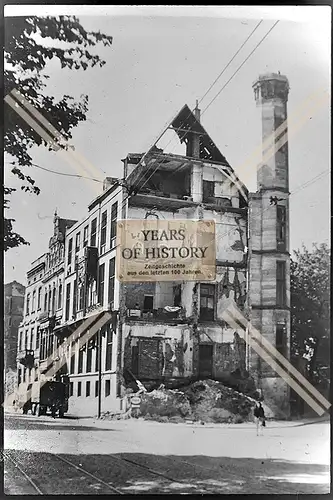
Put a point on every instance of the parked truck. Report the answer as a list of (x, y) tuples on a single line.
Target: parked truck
[(50, 396)]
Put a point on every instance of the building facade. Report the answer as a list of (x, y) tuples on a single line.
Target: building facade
[(42, 310), (13, 314), (169, 332)]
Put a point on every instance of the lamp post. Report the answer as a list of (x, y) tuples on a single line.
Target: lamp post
[(99, 373)]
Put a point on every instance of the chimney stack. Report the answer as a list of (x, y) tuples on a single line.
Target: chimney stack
[(108, 182), (197, 111)]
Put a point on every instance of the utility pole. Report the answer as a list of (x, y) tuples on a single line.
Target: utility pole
[(99, 372)]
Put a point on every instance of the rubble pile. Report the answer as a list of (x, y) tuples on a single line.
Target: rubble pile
[(205, 401)]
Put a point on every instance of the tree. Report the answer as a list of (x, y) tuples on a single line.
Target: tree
[(29, 44), (310, 311)]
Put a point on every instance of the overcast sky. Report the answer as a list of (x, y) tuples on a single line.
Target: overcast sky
[(162, 58)]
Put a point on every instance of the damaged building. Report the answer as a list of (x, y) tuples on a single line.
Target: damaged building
[(173, 331)]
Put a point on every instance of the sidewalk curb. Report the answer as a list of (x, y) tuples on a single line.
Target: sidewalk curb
[(247, 425)]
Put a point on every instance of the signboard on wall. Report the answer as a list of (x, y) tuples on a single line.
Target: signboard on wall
[(165, 250)]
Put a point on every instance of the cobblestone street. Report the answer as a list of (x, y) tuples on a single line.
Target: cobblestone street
[(72, 456)]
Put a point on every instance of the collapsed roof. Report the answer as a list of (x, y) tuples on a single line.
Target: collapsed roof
[(186, 124)]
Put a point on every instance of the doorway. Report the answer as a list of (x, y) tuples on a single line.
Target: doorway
[(148, 303), (205, 360)]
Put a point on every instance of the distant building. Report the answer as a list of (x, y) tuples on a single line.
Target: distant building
[(13, 315), (168, 331), (42, 307)]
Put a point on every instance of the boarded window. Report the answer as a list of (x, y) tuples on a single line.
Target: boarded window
[(280, 283), (207, 302)]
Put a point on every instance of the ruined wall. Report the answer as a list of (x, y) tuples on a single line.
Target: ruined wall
[(231, 237), (223, 186), (163, 351), (169, 352), (135, 292), (231, 284), (230, 357)]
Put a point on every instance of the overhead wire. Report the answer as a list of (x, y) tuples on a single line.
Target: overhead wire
[(164, 130), (208, 90), (211, 86), (240, 66), (299, 188), (58, 173), (234, 74), (205, 109), (227, 65)]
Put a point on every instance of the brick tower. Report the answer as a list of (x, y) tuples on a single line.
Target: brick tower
[(269, 258)]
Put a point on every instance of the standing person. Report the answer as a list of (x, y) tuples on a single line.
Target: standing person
[(259, 416)]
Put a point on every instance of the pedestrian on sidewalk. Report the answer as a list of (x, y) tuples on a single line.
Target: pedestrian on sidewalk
[(259, 416)]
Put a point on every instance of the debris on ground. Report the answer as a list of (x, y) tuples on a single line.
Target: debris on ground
[(202, 401)]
